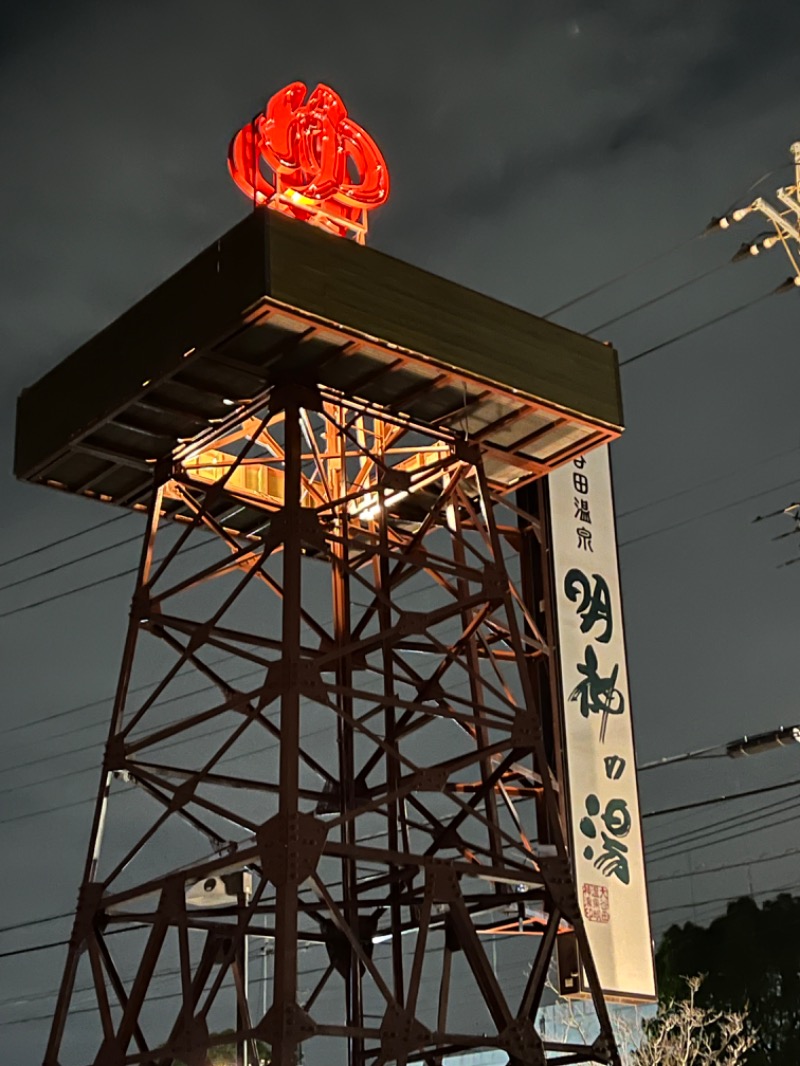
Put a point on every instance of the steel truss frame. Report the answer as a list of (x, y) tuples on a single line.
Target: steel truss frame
[(390, 598)]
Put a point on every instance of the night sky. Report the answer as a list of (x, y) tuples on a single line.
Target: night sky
[(536, 150)]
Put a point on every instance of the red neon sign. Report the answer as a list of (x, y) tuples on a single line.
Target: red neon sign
[(326, 169)]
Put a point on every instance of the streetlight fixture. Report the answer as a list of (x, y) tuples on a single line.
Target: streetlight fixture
[(754, 745), (746, 745)]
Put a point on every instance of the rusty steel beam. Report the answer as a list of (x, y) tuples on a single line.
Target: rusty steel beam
[(368, 770)]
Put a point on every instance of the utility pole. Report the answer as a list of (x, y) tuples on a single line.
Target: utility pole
[(785, 220)]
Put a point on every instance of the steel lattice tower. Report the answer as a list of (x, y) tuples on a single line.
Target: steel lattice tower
[(368, 777)]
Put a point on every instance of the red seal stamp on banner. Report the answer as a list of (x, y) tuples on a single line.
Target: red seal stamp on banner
[(596, 906)]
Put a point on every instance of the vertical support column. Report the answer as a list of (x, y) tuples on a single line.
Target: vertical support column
[(284, 985), (243, 1016), (476, 687), (537, 594), (396, 810), (336, 447), (89, 897), (241, 971)]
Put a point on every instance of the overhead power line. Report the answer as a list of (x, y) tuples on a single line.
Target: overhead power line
[(727, 822), (595, 289), (723, 821), (724, 899), (764, 790), (139, 688), (700, 871), (63, 540), (670, 760), (705, 514), (103, 701), (751, 188), (69, 592), (70, 562), (744, 825), (750, 744), (97, 722), (622, 544), (33, 948), (696, 872), (94, 584), (697, 329), (55, 809), (314, 971), (625, 274), (162, 747), (657, 299), (718, 820), (255, 954), (34, 921), (15, 952), (82, 749), (712, 481), (707, 231), (783, 218)]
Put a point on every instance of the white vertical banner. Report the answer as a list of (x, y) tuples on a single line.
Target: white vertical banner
[(602, 793)]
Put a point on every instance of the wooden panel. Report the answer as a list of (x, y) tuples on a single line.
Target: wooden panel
[(384, 297), (197, 305), (266, 261)]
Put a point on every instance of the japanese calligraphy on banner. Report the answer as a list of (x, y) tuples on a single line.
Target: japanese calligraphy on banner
[(602, 793)]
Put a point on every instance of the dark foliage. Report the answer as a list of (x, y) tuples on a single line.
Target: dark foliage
[(751, 961), (224, 1054)]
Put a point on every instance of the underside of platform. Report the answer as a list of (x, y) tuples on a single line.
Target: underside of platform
[(274, 301)]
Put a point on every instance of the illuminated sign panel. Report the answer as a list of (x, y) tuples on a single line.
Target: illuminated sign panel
[(603, 800), (326, 169)]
